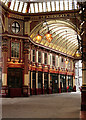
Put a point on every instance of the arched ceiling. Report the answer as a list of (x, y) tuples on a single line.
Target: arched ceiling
[(36, 6), (63, 34)]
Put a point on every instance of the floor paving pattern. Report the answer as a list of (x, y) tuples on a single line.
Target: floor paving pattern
[(64, 105)]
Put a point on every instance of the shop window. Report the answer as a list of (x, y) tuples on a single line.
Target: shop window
[(50, 60), (45, 58), (57, 61), (34, 56), (70, 81), (53, 58), (39, 56), (40, 80), (15, 49), (46, 83), (34, 80), (62, 60), (69, 64)]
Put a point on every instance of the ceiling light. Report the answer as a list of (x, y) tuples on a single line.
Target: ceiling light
[(38, 37)]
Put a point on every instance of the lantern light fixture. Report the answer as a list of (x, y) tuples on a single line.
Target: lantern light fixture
[(47, 35), (66, 61), (78, 54), (38, 37)]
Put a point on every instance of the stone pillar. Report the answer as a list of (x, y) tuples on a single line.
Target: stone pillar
[(43, 82), (59, 83), (37, 82), (4, 90)]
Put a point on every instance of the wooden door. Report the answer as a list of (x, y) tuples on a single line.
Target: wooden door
[(15, 82)]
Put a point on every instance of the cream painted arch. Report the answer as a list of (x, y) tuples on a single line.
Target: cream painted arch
[(58, 30)]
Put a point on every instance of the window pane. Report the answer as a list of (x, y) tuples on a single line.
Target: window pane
[(20, 6), (32, 8), (40, 7), (24, 9), (16, 5), (70, 4), (39, 56), (66, 5), (36, 7), (45, 58), (17, 30), (44, 7), (33, 55), (12, 4), (53, 60), (14, 49), (61, 5), (13, 29), (75, 4), (53, 5), (48, 6), (57, 5)]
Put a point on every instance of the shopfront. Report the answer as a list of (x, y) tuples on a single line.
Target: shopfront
[(70, 82), (63, 83), (40, 83), (54, 83), (34, 83), (14, 81), (46, 90)]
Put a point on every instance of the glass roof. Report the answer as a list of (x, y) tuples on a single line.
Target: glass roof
[(36, 6), (63, 34)]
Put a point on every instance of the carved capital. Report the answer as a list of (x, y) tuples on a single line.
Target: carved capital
[(4, 44), (26, 45)]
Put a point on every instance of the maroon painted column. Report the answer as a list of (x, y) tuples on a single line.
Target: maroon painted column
[(4, 90), (83, 90), (83, 43), (26, 72)]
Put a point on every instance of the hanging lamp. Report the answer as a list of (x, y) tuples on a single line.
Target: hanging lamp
[(48, 35), (38, 37)]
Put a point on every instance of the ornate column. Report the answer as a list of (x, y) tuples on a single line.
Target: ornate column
[(31, 83), (67, 82), (83, 91), (26, 73), (50, 89), (37, 82), (83, 36), (59, 83), (4, 90), (43, 82)]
